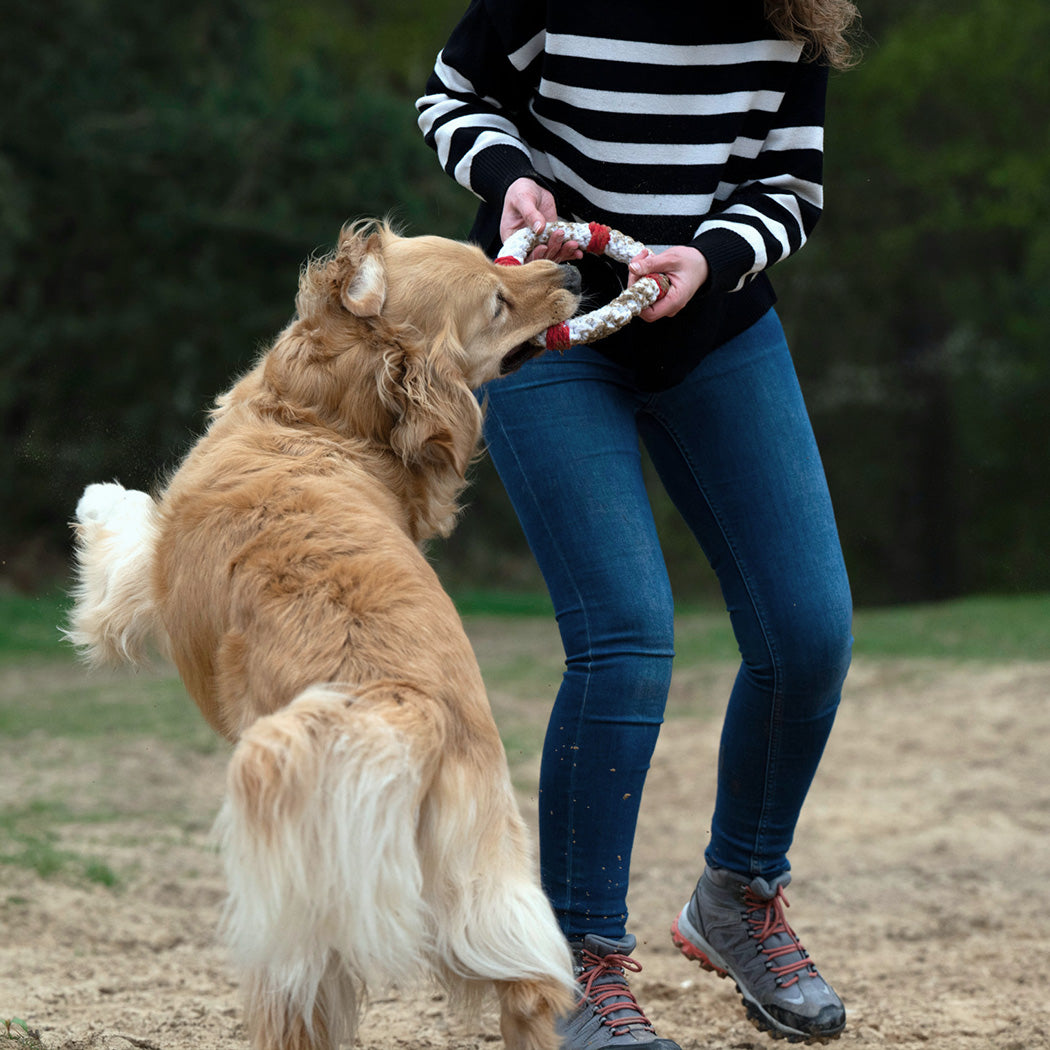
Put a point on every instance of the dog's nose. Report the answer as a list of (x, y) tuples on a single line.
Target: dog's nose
[(571, 279)]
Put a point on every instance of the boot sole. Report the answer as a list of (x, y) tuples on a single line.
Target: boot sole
[(755, 1014)]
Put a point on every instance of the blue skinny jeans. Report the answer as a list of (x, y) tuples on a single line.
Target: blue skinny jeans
[(734, 448)]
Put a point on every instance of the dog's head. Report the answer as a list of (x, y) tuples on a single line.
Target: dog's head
[(457, 302), (394, 334)]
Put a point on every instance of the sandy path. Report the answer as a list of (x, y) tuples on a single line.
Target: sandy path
[(920, 873)]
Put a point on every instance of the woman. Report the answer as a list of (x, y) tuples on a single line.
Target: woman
[(699, 132)]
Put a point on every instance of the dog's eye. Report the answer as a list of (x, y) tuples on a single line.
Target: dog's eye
[(502, 302)]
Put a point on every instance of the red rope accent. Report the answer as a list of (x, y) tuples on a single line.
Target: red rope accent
[(508, 260), (663, 282), (558, 337), (599, 238)]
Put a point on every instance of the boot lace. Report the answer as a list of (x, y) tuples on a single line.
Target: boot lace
[(605, 988), (768, 923)]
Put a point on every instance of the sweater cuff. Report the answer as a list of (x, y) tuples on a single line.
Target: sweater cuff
[(729, 259), (496, 168)]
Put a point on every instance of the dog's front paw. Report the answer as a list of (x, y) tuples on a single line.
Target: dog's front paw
[(107, 501)]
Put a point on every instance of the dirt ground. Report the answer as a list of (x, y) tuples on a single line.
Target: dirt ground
[(921, 870)]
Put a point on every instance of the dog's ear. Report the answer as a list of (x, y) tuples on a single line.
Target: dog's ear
[(438, 421), (362, 274)]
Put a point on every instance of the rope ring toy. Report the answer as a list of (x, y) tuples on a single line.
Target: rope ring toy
[(597, 239)]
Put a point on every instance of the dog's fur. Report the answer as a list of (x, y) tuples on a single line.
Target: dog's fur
[(370, 832)]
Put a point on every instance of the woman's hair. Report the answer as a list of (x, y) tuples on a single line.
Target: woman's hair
[(822, 25)]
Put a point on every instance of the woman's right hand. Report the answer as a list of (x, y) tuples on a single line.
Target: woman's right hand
[(685, 268), (529, 204)]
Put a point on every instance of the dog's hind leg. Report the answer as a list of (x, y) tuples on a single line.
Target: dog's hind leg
[(277, 1020), (528, 1010), (318, 835), (492, 921)]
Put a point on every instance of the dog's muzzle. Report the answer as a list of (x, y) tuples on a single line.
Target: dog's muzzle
[(572, 281)]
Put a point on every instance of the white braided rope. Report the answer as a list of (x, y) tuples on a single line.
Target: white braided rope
[(606, 319)]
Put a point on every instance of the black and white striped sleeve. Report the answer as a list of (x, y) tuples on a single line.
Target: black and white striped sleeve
[(479, 84), (771, 215)]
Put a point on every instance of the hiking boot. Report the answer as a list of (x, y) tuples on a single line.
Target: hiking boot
[(737, 929), (607, 1014)]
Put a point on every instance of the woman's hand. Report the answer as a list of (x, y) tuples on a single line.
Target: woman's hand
[(686, 269), (529, 204)]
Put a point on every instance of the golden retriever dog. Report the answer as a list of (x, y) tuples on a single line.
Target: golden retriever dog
[(369, 831)]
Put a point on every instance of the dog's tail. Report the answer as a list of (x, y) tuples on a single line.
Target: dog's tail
[(318, 835), (114, 617), (335, 889)]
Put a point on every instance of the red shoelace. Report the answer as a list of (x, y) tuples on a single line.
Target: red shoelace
[(766, 918), (612, 996)]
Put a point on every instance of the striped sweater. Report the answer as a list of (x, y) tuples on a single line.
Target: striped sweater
[(695, 126)]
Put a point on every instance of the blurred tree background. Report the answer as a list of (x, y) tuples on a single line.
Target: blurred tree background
[(165, 170)]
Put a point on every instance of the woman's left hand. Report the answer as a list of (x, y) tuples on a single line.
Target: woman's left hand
[(685, 268)]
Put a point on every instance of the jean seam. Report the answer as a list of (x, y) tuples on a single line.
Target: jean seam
[(776, 699)]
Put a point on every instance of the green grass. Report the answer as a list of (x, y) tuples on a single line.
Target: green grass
[(982, 628), (43, 690), (79, 705), (30, 626), (15, 1032), (502, 603), (29, 839), (1015, 627), (46, 696), (68, 699)]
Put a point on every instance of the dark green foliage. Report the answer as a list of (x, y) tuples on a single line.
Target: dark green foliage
[(162, 179), (920, 314), (164, 172)]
